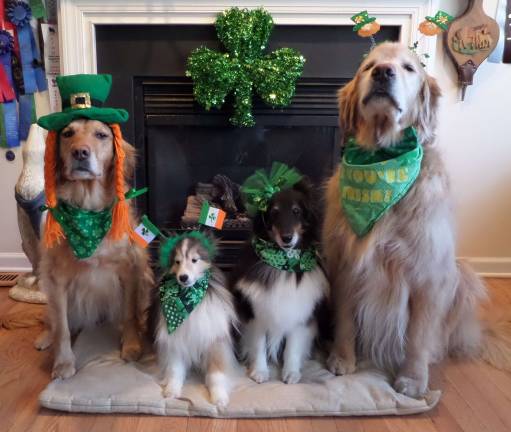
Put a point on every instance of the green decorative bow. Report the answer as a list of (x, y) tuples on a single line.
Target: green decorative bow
[(178, 302), (292, 260), (244, 68), (258, 189)]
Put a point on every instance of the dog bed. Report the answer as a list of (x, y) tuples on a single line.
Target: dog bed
[(106, 384)]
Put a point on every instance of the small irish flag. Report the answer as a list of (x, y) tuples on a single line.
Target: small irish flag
[(211, 216), (146, 232)]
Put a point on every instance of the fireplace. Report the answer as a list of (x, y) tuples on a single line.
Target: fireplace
[(180, 144)]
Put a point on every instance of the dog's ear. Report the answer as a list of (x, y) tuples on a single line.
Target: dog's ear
[(309, 200), (348, 100), (130, 160), (304, 186), (428, 107)]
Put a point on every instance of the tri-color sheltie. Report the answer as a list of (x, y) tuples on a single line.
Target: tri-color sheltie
[(203, 339), (277, 307)]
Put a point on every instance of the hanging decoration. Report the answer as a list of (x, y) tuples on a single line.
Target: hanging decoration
[(433, 26), (244, 68), (366, 26), (469, 40), (21, 71)]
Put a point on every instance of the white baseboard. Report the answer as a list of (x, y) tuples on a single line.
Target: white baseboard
[(14, 262), (484, 266), (490, 266)]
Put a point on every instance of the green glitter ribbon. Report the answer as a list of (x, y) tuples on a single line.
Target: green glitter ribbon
[(84, 229), (178, 302), (258, 189), (292, 260), (244, 69)]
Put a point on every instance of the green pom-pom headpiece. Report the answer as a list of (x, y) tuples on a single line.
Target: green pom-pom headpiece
[(259, 188), (170, 244)]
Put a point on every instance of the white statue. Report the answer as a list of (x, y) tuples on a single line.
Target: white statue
[(29, 193)]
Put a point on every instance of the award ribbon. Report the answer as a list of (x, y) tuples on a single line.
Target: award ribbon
[(20, 14), (8, 113)]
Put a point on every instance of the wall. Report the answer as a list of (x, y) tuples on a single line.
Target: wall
[(475, 136)]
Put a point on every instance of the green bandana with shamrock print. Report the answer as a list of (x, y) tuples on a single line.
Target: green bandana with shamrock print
[(292, 260), (84, 229), (178, 302), (371, 182)]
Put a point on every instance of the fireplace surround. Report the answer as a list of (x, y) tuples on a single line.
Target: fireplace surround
[(144, 45)]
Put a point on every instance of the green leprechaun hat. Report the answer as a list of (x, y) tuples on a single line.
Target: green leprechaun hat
[(361, 19), (83, 96), (441, 19)]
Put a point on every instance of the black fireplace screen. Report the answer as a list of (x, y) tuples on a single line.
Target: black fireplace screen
[(181, 146)]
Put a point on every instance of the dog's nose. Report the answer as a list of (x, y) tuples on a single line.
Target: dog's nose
[(286, 239), (183, 278), (81, 153), (383, 73)]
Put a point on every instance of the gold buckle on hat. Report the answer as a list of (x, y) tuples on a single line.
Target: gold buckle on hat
[(80, 100)]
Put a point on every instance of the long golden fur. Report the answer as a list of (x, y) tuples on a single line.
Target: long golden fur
[(401, 299), (114, 283)]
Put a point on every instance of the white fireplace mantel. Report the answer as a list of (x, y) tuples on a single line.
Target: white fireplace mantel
[(78, 19)]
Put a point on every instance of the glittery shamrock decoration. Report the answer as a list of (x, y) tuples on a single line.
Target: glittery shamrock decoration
[(244, 69)]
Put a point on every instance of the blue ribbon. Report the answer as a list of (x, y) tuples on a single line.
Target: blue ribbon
[(25, 37), (10, 135), (33, 76), (26, 108), (10, 114)]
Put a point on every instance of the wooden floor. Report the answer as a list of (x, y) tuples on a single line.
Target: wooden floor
[(476, 397)]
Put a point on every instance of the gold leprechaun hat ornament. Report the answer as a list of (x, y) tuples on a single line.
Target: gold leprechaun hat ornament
[(365, 26), (83, 96), (435, 25)]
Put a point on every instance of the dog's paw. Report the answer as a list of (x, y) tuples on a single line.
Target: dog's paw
[(131, 350), (291, 376), (172, 390), (259, 375), (43, 341), (411, 387), (63, 369), (219, 397), (340, 366)]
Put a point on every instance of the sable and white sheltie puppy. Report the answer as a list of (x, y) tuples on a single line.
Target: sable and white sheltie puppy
[(276, 305), (203, 339)]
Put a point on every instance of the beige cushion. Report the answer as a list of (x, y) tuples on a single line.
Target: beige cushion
[(105, 384)]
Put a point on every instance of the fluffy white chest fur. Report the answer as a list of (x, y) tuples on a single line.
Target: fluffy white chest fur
[(282, 311), (192, 340), (286, 304)]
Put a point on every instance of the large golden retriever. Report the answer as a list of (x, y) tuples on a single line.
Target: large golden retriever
[(401, 299), (114, 283)]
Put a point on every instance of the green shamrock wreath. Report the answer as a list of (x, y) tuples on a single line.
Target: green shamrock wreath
[(243, 68)]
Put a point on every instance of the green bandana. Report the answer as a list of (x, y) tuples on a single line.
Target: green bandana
[(84, 229), (178, 302), (292, 260), (373, 181)]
